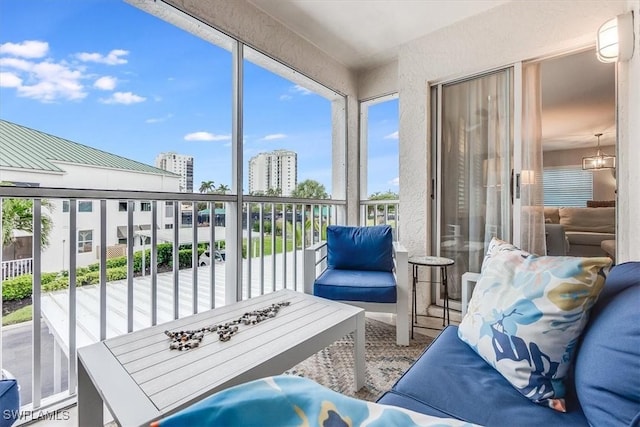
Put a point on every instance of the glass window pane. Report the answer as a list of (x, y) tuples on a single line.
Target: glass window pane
[(85, 206), (475, 153), (287, 138), (382, 149)]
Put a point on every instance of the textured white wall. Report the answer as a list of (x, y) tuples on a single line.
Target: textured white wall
[(382, 80), (513, 32), (628, 232)]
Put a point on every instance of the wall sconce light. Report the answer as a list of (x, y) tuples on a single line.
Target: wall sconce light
[(615, 39), (527, 177), (600, 160)]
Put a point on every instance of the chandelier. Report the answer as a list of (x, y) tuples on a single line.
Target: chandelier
[(600, 160)]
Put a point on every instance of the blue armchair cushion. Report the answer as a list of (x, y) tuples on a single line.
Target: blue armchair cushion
[(9, 402), (360, 248), (607, 371), (356, 285)]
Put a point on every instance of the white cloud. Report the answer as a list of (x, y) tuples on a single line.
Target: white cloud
[(112, 58), (159, 119), (395, 181), (26, 49), (45, 81), (301, 90), (126, 98), (10, 80), (205, 136), (17, 64), (295, 90), (273, 136), (393, 135), (105, 83)]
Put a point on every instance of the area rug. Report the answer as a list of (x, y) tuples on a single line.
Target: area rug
[(386, 361)]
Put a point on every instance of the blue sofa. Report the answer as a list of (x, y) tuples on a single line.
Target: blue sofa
[(9, 400), (451, 380)]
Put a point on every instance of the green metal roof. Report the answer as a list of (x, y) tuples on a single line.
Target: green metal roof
[(25, 148)]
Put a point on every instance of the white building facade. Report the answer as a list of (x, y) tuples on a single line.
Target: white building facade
[(274, 170), (85, 168), (181, 164)]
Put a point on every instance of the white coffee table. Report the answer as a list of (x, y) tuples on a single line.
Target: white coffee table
[(140, 379)]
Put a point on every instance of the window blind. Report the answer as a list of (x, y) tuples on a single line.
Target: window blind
[(567, 186)]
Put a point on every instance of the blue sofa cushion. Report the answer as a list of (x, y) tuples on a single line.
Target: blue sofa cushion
[(360, 248), (9, 402), (451, 380), (607, 369), (356, 285), (288, 400), (527, 313)]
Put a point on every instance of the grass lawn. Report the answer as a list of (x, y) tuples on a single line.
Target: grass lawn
[(21, 315), (268, 242)]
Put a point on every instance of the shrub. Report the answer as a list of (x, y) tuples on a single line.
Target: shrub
[(21, 287), (17, 287), (120, 261), (59, 283)]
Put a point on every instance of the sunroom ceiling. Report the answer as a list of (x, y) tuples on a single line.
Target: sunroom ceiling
[(362, 34)]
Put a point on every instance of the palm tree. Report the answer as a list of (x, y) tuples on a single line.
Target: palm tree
[(310, 189), (222, 189), (207, 187), (17, 214)]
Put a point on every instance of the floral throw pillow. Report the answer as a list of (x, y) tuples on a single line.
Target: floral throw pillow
[(527, 313)]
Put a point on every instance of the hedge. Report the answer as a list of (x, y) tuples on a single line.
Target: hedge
[(21, 287)]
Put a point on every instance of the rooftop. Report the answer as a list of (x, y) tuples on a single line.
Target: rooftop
[(26, 148)]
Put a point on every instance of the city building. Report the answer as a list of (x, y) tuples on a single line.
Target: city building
[(274, 170), (180, 164), (31, 158)]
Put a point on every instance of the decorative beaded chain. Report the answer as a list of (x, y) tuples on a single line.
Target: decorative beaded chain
[(185, 340)]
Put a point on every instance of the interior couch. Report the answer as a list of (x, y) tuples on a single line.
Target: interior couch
[(585, 228), (450, 379)]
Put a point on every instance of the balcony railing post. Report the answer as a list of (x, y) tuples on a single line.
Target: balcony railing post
[(130, 207), (36, 382), (154, 262), (103, 269), (73, 249)]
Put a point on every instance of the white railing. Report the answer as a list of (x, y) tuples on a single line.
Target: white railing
[(376, 212), (16, 267), (263, 243)]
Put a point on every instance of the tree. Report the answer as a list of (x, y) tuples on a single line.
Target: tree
[(222, 189), (207, 187), (17, 214), (310, 189), (273, 192), (387, 195)]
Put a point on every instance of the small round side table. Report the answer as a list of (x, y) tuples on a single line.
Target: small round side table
[(429, 261)]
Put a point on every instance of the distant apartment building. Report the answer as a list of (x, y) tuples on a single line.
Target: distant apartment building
[(275, 170), (180, 164), (31, 158)]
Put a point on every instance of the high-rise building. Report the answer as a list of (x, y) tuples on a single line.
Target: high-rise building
[(275, 170), (180, 164)]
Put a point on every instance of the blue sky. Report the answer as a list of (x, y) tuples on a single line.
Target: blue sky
[(108, 75)]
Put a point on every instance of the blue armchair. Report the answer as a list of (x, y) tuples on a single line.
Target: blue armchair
[(361, 266)]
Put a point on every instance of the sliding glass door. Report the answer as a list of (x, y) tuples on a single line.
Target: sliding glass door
[(473, 131)]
